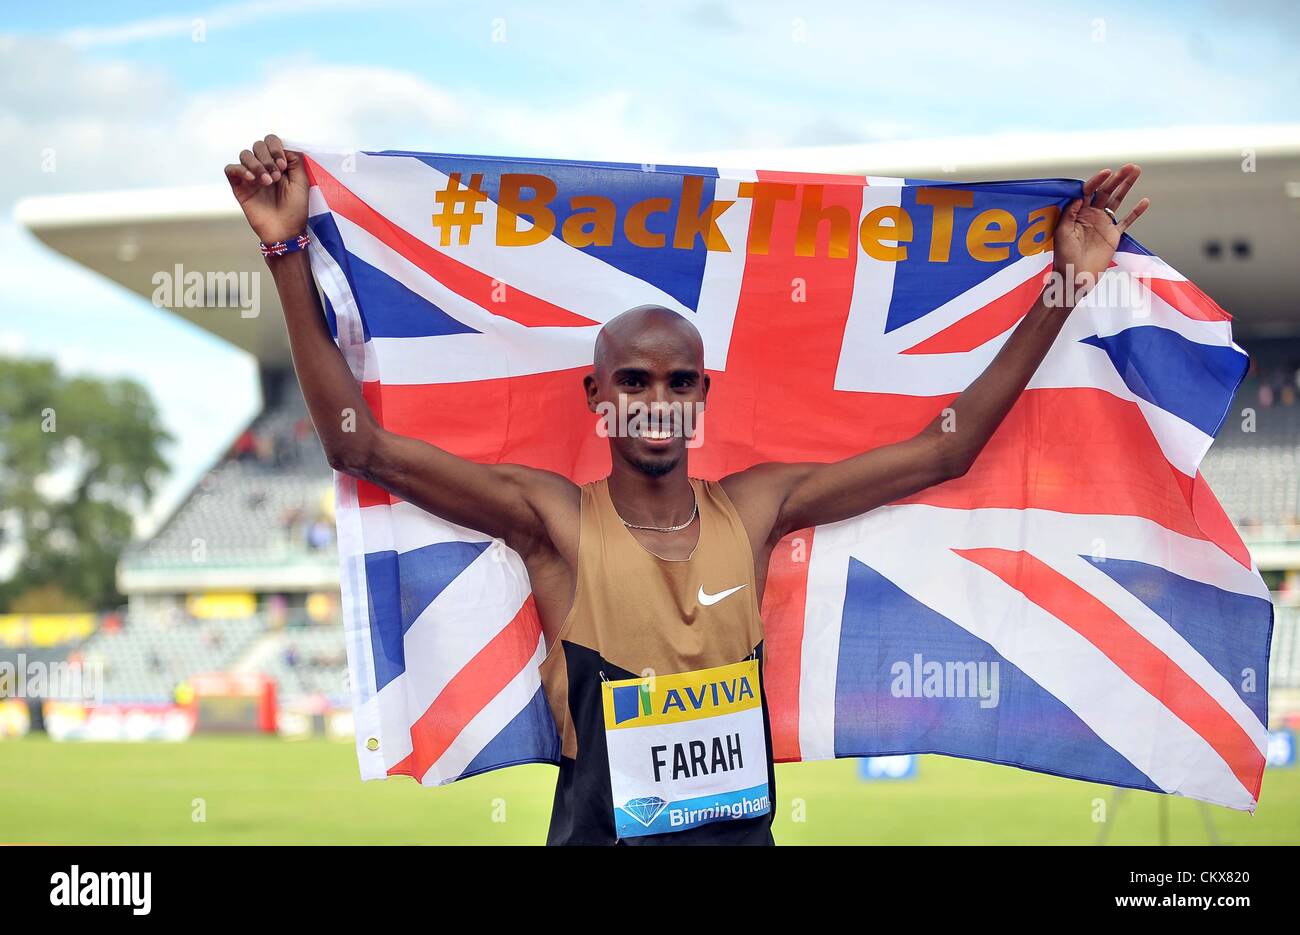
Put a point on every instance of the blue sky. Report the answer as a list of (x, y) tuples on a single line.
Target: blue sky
[(139, 94)]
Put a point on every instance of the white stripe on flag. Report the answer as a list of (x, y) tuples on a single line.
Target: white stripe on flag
[(489, 722)]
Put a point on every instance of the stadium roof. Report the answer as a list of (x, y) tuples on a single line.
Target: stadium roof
[(1226, 213)]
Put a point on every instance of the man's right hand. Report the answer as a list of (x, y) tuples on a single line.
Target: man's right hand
[(270, 184)]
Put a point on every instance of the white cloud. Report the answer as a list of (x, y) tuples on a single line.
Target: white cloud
[(121, 125), (228, 16), (347, 105)]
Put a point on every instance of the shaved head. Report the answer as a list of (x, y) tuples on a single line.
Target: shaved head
[(624, 333)]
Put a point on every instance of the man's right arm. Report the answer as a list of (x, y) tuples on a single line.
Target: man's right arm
[(509, 502)]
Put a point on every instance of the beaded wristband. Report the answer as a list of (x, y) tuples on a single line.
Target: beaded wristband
[(280, 247)]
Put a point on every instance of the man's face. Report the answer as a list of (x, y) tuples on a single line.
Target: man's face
[(649, 384)]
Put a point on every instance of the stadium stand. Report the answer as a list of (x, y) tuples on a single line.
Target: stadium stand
[(148, 658), (1254, 465), (1284, 656), (267, 501), (144, 659), (304, 661)]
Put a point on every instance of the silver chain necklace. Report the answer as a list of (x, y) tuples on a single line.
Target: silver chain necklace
[(694, 509)]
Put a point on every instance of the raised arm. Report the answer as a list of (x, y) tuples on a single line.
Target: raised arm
[(510, 502), (780, 498)]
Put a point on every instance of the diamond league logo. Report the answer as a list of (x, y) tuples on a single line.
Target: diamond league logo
[(645, 809)]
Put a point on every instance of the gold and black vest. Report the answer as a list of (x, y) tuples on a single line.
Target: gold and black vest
[(635, 613)]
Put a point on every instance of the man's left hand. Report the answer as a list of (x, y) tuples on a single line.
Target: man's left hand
[(1086, 237)]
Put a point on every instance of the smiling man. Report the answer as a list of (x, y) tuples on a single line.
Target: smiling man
[(649, 581)]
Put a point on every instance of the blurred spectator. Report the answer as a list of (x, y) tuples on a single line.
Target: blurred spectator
[(245, 446), (320, 535), (290, 520)]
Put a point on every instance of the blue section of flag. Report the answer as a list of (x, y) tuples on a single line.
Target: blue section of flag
[(330, 318), (326, 232), (1196, 382), (679, 273), (1128, 245), (530, 737), (921, 286), (883, 631), (1198, 611), (400, 585), (388, 308)]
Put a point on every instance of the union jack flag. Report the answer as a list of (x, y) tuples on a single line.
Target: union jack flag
[(1082, 572)]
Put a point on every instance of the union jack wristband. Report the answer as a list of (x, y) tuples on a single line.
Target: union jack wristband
[(280, 247)]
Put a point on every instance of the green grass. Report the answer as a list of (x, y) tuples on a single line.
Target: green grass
[(267, 791)]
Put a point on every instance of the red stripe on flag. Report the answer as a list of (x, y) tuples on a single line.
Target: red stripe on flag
[(1082, 450), (1132, 652), (517, 305), (984, 325), (482, 679), (785, 599), (772, 400), (1188, 299), (785, 344), (539, 420)]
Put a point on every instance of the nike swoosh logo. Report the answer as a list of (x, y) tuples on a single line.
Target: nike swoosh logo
[(708, 599)]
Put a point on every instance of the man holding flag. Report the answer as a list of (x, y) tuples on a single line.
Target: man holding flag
[(648, 583)]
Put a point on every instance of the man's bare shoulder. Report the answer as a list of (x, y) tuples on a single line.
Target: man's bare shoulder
[(763, 481), (758, 493), (544, 489), (553, 503)]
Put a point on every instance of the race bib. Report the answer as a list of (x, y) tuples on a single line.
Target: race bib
[(686, 750)]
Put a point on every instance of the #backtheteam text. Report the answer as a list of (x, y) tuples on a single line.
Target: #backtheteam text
[(823, 227)]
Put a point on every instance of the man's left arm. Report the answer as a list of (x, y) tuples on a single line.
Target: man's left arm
[(782, 498)]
